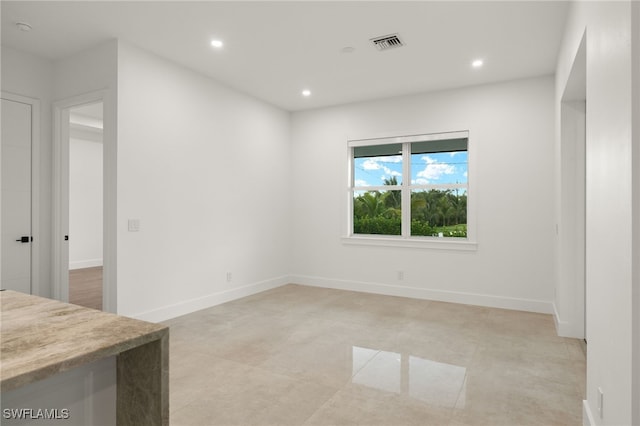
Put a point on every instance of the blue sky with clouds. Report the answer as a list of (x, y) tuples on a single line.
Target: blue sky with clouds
[(426, 169)]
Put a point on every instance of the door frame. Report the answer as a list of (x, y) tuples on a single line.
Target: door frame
[(571, 234), (60, 250), (35, 186)]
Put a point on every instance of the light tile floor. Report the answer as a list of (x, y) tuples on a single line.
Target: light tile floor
[(301, 355)]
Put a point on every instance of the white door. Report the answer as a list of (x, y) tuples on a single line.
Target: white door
[(16, 196)]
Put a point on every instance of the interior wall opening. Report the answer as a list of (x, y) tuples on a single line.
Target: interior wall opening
[(86, 205)]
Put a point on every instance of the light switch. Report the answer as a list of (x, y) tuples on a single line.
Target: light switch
[(134, 225)]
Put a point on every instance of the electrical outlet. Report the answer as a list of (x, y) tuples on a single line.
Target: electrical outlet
[(229, 277), (601, 403), (400, 275)]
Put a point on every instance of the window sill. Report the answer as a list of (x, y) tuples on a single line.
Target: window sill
[(419, 243)]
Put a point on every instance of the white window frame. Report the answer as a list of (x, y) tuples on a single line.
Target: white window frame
[(405, 239)]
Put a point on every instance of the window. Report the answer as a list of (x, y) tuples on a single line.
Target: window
[(411, 187)]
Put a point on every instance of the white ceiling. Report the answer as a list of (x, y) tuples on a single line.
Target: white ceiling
[(273, 50)]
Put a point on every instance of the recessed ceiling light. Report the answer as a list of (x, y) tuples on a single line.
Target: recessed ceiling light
[(217, 43), (306, 92), (477, 63), (348, 49)]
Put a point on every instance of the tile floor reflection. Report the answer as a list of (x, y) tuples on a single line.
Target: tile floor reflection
[(301, 355), (432, 382)]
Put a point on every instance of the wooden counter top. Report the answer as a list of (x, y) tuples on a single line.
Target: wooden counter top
[(42, 337)]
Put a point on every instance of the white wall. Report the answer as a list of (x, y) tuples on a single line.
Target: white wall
[(85, 203), (85, 72), (38, 78), (511, 150), (635, 327), (206, 171), (30, 76), (608, 201)]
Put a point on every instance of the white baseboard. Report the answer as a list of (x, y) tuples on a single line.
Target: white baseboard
[(561, 326), (528, 305), (80, 264), (565, 328), (189, 306), (193, 305), (587, 414)]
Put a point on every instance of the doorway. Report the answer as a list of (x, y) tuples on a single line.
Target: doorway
[(84, 213), (85, 240)]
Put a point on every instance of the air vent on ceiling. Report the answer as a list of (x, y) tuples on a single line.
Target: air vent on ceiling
[(387, 42)]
